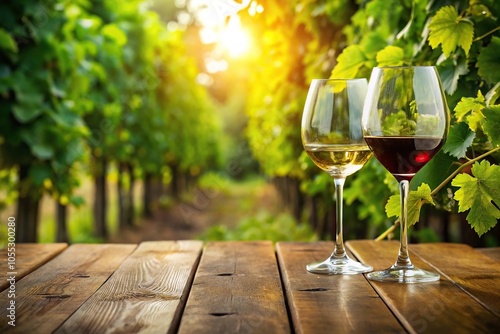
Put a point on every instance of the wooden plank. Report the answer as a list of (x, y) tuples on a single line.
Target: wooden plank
[(49, 295), (493, 252), (237, 289), (434, 307), (474, 272), (28, 257), (324, 304), (146, 294)]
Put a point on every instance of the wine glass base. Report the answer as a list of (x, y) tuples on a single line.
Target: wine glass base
[(338, 266), (403, 275)]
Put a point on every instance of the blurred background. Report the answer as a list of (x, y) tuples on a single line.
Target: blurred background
[(123, 121)]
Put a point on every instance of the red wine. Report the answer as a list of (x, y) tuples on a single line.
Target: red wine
[(404, 156)]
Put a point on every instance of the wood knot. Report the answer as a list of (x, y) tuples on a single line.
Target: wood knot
[(314, 289), (50, 296), (222, 314), (81, 276)]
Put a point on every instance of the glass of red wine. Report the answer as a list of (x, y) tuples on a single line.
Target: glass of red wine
[(405, 123)]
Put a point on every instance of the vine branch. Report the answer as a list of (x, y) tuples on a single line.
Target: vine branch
[(439, 187), (488, 33)]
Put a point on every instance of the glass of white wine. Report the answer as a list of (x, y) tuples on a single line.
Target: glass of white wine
[(333, 139)]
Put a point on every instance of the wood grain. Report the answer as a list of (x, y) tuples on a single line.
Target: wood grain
[(472, 271), (493, 252), (28, 257), (49, 295), (426, 307), (236, 289), (146, 294), (322, 303)]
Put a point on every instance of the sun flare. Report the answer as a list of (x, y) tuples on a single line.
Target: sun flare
[(234, 39)]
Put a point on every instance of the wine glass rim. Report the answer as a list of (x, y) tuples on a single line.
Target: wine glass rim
[(405, 67), (339, 79)]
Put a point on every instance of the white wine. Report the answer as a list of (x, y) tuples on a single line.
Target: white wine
[(339, 160)]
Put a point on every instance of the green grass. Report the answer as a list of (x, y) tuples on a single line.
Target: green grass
[(263, 226)]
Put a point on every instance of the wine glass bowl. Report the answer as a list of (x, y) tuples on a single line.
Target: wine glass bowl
[(333, 139), (405, 123)]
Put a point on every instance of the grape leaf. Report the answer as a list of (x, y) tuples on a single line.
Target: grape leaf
[(477, 193), (450, 73), (38, 173), (493, 95), (491, 124), (451, 31), (416, 198), (472, 108), (349, 62), (488, 61), (25, 114), (390, 56), (113, 32), (459, 140), (42, 151), (7, 42)]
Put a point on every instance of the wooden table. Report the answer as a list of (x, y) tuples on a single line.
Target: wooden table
[(244, 287)]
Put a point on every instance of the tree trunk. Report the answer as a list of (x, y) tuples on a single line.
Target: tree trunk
[(174, 183), (122, 198), (313, 212), (126, 181), (100, 198), (297, 198), (28, 204), (61, 218), (147, 197), (130, 217)]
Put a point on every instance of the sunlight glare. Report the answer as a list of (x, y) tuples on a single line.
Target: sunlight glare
[(235, 39)]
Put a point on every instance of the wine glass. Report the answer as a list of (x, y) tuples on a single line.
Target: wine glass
[(405, 122), (333, 139)]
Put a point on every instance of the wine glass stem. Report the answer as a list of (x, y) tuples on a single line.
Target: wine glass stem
[(339, 238), (404, 256)]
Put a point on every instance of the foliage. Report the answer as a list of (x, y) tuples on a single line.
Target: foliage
[(476, 194), (41, 90), (85, 81), (441, 34), (298, 36), (305, 41)]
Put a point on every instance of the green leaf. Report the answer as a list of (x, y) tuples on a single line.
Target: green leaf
[(491, 124), (472, 108), (480, 194), (77, 201), (451, 73), (450, 31), (393, 207), (38, 173), (493, 95), (416, 198), (349, 62), (7, 42), (25, 114), (114, 33), (390, 56), (42, 151), (459, 140), (488, 61)]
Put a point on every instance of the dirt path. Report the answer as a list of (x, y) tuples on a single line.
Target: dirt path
[(188, 220)]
